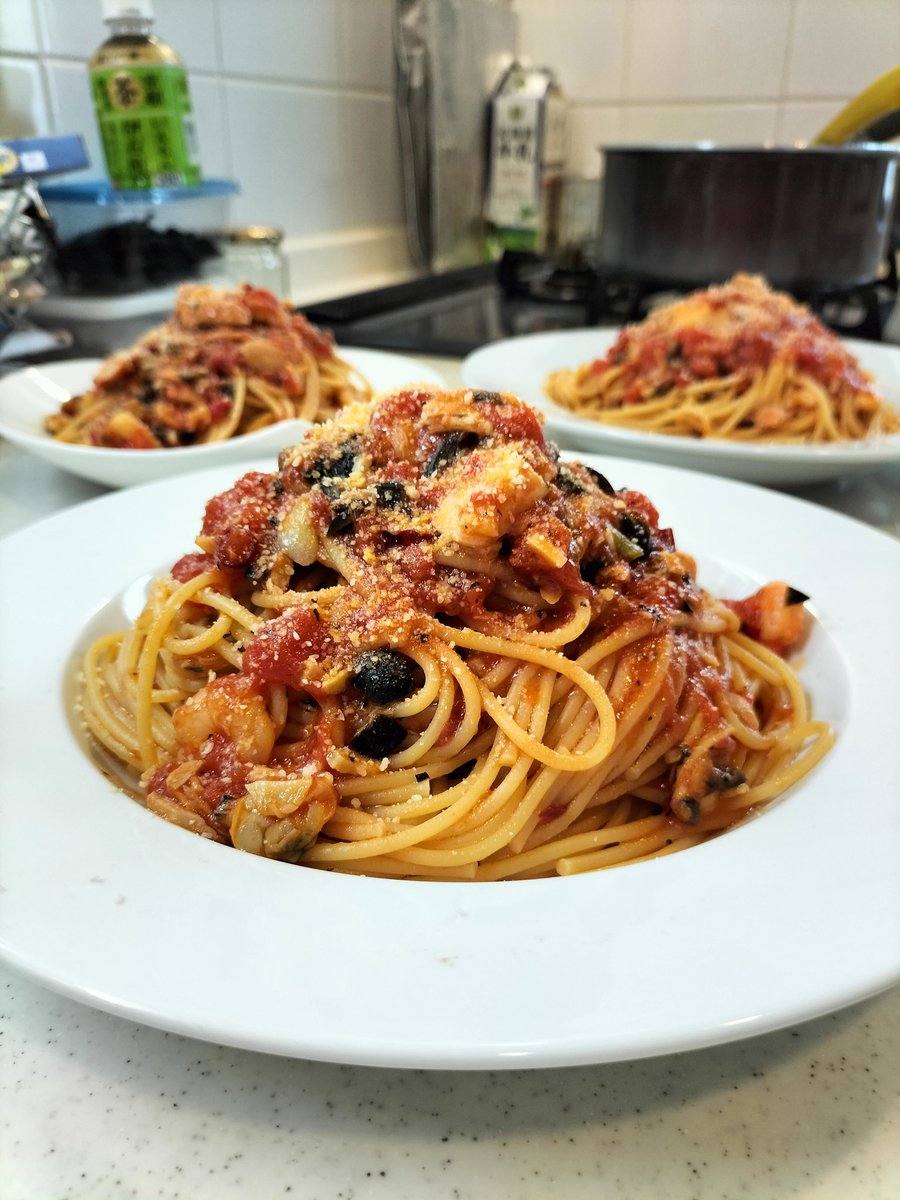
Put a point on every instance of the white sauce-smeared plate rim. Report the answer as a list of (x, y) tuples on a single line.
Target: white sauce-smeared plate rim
[(792, 915), (522, 364)]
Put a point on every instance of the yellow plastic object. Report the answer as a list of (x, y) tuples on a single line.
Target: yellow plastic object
[(876, 101)]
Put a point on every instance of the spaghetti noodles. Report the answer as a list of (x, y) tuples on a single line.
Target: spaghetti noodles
[(426, 648), (226, 363), (739, 362)]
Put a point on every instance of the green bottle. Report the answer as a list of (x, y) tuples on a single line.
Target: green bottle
[(143, 105)]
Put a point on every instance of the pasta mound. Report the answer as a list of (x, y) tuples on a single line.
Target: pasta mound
[(425, 647), (738, 362), (224, 364)]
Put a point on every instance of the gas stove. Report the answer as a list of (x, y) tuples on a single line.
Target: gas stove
[(455, 312)]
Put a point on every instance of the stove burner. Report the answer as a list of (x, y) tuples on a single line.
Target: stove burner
[(858, 312)]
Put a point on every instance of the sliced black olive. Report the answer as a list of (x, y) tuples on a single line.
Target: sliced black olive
[(601, 481), (449, 447), (421, 776), (337, 467), (222, 811), (391, 494), (343, 520), (590, 571), (795, 596), (379, 738), (566, 482), (487, 397), (636, 531), (463, 770), (724, 778), (686, 809), (384, 675)]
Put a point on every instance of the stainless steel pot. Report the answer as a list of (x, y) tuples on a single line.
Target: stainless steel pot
[(805, 218)]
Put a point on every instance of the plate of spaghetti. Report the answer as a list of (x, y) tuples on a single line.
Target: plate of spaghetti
[(736, 380), (358, 766), (230, 375)]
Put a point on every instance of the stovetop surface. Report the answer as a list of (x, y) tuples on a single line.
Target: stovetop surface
[(455, 312), (449, 314)]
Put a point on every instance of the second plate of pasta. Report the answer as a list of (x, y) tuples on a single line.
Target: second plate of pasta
[(523, 365), (28, 396)]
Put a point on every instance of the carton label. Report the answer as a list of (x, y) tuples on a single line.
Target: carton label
[(514, 182)]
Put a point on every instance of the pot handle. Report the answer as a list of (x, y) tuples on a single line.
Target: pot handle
[(873, 115)]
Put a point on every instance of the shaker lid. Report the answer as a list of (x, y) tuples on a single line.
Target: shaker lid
[(252, 234)]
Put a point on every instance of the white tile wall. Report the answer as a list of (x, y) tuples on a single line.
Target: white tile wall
[(839, 47), (18, 27), (585, 37), (739, 71), (298, 42), (739, 124), (285, 139), (293, 99), (706, 49), (23, 105)]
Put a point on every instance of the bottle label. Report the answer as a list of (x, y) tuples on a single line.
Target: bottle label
[(144, 114)]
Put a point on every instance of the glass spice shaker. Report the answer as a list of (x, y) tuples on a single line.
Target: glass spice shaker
[(252, 254)]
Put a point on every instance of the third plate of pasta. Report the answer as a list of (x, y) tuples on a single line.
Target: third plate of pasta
[(790, 404), (429, 746)]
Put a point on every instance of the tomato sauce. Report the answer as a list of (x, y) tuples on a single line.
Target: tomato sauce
[(291, 649)]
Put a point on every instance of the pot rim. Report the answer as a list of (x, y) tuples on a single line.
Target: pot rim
[(763, 150)]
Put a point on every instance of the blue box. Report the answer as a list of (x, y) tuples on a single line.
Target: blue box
[(35, 158)]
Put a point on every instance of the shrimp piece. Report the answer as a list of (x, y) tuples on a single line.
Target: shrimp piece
[(125, 431), (774, 616), (116, 367), (198, 306), (264, 307), (233, 707), (482, 505)]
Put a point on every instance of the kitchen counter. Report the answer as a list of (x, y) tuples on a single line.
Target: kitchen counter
[(95, 1107)]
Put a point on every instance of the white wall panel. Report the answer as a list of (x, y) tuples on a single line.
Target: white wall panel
[(584, 40), (18, 27), (838, 47), (23, 104), (699, 49), (312, 161)]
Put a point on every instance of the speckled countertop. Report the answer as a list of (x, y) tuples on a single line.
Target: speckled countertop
[(93, 1107)]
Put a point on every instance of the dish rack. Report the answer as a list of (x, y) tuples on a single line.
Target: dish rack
[(27, 238)]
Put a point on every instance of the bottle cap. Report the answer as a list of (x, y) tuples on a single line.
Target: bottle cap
[(141, 10)]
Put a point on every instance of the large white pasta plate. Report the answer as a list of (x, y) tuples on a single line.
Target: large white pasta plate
[(30, 395), (791, 915), (522, 364)]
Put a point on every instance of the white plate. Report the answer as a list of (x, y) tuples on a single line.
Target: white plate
[(28, 396), (522, 364), (790, 916)]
